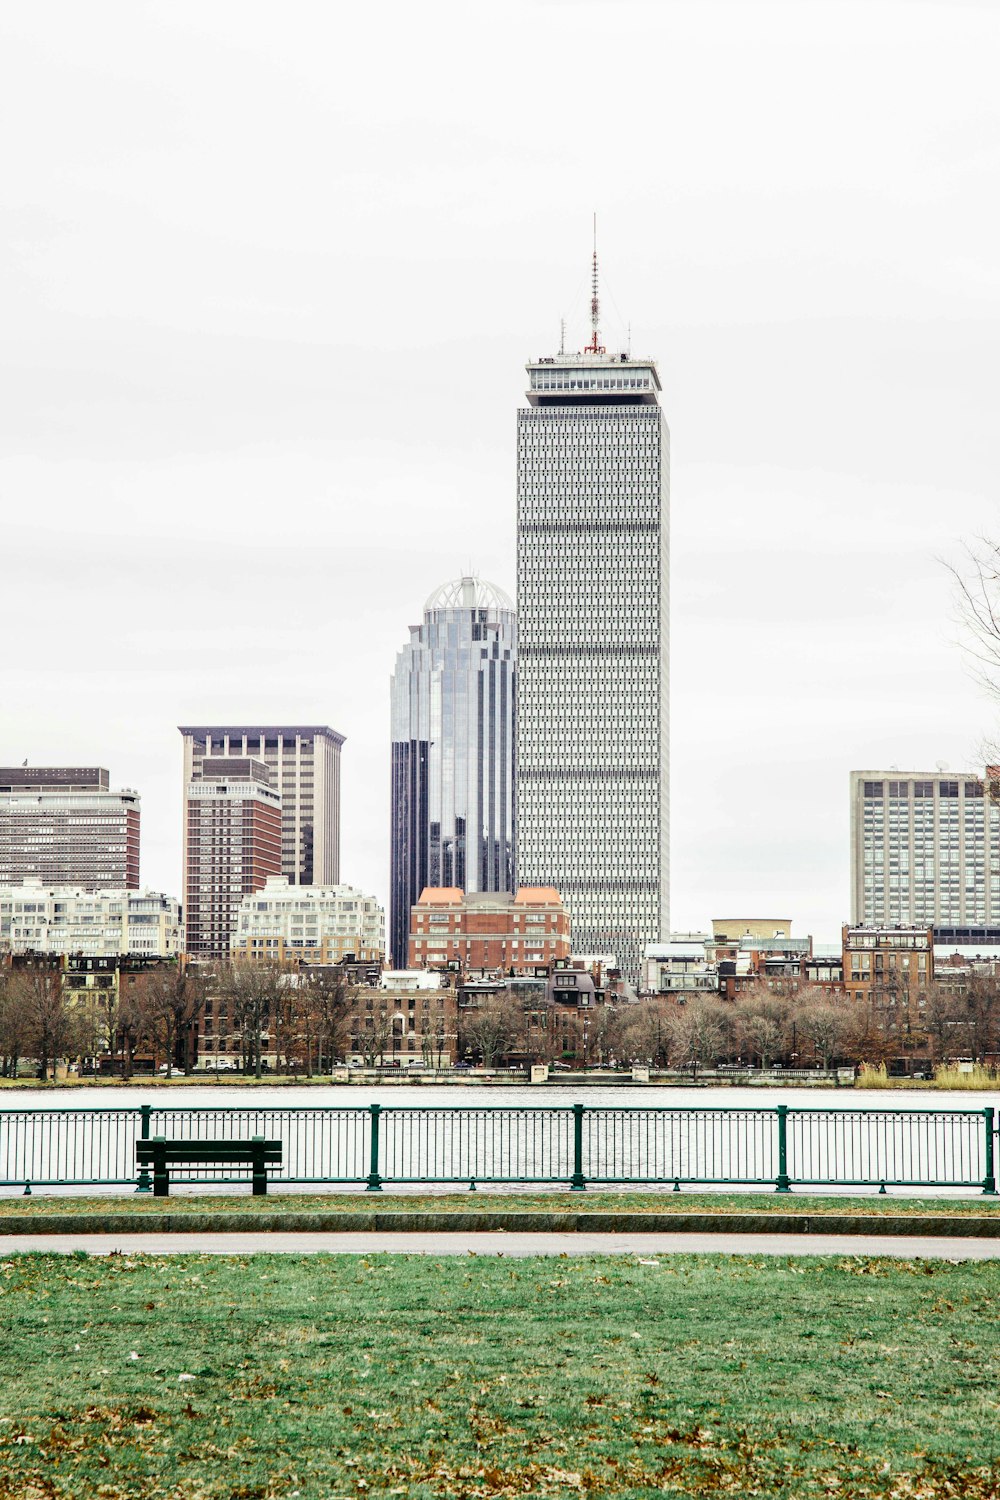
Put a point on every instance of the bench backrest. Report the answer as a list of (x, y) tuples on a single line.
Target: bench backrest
[(179, 1151)]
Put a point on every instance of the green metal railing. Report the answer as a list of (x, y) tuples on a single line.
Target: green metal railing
[(575, 1145)]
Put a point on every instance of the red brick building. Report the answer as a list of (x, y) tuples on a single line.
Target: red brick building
[(232, 843), (485, 930)]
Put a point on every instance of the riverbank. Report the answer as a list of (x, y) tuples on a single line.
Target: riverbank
[(46, 1201), (954, 1082), (368, 1078), (529, 1213)]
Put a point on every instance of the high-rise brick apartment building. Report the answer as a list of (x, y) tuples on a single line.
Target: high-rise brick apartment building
[(232, 845), (304, 766), (62, 825), (488, 930)]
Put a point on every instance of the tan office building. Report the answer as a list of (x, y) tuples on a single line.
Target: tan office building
[(304, 766)]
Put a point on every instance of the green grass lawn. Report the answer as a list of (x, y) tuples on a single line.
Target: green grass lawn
[(196, 1376), (764, 1201)]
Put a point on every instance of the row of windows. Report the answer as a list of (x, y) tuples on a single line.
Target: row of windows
[(899, 789)]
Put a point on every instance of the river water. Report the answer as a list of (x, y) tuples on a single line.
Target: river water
[(477, 1095), (446, 1136)]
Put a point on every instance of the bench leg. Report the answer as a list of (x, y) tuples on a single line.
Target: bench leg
[(161, 1182), (259, 1173)]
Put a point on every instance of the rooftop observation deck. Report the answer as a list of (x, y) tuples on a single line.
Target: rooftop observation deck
[(587, 379)]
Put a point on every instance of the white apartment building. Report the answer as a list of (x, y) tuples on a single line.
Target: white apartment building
[(67, 920), (409, 979), (925, 849), (320, 924), (684, 963)]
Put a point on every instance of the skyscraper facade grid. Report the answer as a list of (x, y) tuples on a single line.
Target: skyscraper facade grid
[(452, 707), (64, 826), (593, 456)]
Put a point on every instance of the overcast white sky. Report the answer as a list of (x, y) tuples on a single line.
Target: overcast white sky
[(269, 277)]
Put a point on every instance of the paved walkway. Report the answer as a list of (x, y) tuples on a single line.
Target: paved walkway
[(499, 1243)]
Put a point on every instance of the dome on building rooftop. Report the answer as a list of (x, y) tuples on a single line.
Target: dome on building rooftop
[(469, 593)]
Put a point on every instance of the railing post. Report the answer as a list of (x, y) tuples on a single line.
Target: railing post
[(374, 1184), (989, 1178), (144, 1185), (782, 1184), (578, 1183)]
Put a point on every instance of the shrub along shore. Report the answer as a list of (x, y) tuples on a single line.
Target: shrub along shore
[(945, 1080)]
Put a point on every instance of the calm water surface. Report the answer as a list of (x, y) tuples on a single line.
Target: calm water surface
[(472, 1095)]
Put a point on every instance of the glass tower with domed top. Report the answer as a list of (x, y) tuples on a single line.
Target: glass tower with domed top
[(593, 484), (452, 702)]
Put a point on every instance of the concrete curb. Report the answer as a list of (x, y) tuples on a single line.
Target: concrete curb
[(971, 1226)]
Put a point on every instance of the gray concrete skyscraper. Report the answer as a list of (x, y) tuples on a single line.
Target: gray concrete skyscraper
[(452, 750), (593, 484)]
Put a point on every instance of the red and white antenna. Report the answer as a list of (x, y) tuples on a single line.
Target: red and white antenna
[(595, 346)]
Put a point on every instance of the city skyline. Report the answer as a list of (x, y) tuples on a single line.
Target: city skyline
[(266, 418)]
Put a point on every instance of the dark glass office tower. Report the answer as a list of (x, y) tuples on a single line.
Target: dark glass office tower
[(453, 750)]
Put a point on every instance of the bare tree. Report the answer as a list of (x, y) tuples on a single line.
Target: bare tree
[(977, 595), (645, 1036), (13, 1027), (168, 1001), (824, 1024), (51, 1028), (982, 1014), (541, 1034), (255, 992), (131, 1027), (607, 1030), (762, 1024), (492, 1028), (945, 1015), (433, 1041), (374, 1039), (697, 1031), (324, 1003)]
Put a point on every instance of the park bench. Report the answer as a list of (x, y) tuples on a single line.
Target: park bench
[(161, 1153)]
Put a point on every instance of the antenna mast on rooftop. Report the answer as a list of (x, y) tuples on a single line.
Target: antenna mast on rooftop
[(595, 346)]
